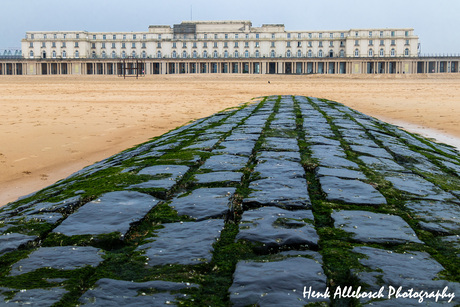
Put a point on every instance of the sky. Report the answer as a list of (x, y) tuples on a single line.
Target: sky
[(436, 22)]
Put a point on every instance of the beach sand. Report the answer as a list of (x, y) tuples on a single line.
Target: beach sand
[(52, 126)]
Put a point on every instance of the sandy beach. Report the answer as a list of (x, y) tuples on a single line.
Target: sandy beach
[(52, 126)]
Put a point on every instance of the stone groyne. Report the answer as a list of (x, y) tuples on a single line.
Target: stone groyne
[(284, 201)]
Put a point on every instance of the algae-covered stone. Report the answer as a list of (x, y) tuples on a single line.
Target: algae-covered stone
[(38, 297), (12, 241), (173, 173), (112, 212)]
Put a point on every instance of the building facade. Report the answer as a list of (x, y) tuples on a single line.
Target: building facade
[(225, 47)]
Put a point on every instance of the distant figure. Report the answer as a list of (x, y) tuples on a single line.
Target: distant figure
[(268, 82)]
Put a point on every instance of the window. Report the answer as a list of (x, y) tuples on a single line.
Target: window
[(272, 44), (143, 45), (225, 44), (205, 54), (93, 54), (31, 54), (159, 36), (309, 35), (370, 53), (236, 54), (272, 53), (44, 36), (393, 52), (103, 45), (299, 44), (55, 36), (104, 55), (134, 36), (273, 35), (247, 36), (174, 54), (63, 45), (288, 44), (194, 45), (114, 36), (215, 54), (77, 36), (393, 42), (144, 54), (310, 44), (194, 54), (356, 52), (393, 33), (225, 54), (93, 46), (184, 54), (124, 36), (257, 44), (76, 44), (257, 54), (331, 35), (299, 53), (206, 36), (356, 34), (77, 54), (299, 36), (236, 44), (381, 33), (406, 52), (371, 42), (64, 54), (159, 54), (370, 33), (382, 52), (104, 37), (184, 45), (246, 54), (94, 36), (257, 36), (174, 45), (226, 36), (382, 42), (215, 36), (144, 36), (53, 44), (331, 44), (289, 35), (205, 45), (406, 33), (246, 44), (342, 35), (43, 44), (123, 45), (123, 54), (320, 35), (32, 36), (356, 42), (158, 45), (407, 42), (215, 44), (342, 53), (113, 45), (114, 55), (320, 53), (320, 44), (309, 54)]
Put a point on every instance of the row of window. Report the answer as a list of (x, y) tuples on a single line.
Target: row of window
[(226, 54), (217, 36), (225, 44)]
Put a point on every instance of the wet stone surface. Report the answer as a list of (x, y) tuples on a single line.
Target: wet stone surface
[(205, 203), (240, 208), (370, 227), (184, 243), (110, 292), (278, 283), (112, 212), (59, 258), (275, 227), (350, 191)]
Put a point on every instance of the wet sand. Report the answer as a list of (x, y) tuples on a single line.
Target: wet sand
[(52, 126)]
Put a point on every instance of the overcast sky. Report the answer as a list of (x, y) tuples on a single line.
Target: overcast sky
[(436, 22)]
